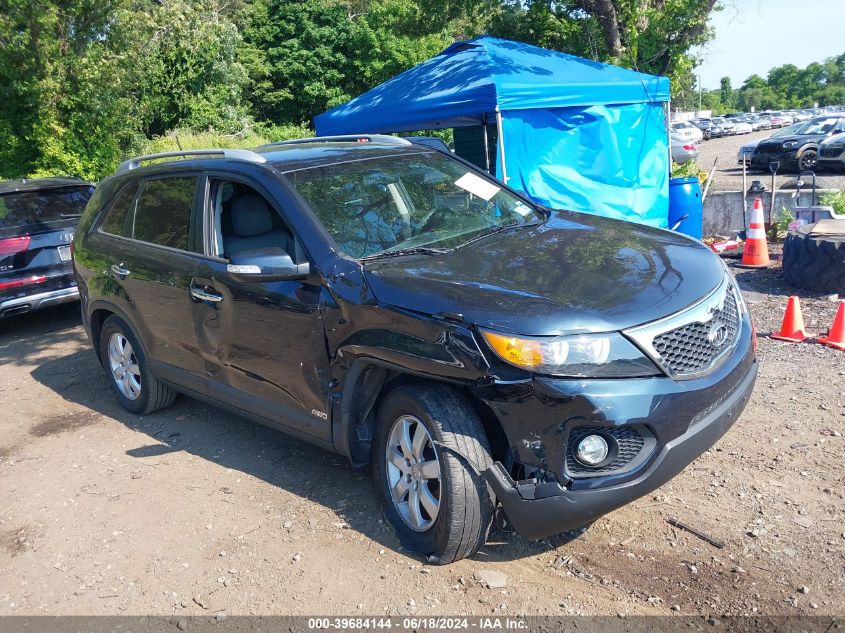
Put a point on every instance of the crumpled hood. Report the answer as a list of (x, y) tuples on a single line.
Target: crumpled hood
[(574, 273)]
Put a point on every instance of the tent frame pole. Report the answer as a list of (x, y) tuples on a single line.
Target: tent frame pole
[(486, 145), (501, 144)]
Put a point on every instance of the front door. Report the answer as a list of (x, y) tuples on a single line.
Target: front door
[(263, 342)]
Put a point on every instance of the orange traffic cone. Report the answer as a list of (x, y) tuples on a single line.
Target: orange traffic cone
[(756, 253), (836, 336), (792, 328)]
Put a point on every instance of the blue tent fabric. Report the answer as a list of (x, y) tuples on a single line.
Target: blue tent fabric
[(607, 160), (535, 89)]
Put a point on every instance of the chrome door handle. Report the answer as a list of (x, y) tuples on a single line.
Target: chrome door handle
[(119, 270), (202, 294)]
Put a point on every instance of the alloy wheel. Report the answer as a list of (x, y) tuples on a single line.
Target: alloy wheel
[(808, 160), (124, 366), (413, 473)]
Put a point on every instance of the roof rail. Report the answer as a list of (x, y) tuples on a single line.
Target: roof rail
[(235, 154), (348, 138)]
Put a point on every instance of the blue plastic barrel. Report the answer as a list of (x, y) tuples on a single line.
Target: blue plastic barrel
[(685, 199)]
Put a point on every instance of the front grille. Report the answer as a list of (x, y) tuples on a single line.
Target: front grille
[(628, 440), (831, 151), (695, 341), (693, 347)]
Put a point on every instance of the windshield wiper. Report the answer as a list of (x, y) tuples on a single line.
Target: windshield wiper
[(418, 250), (498, 229)]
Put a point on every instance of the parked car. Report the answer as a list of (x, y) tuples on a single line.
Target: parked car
[(758, 123), (832, 153), (743, 126), (797, 149), (779, 119), (682, 150), (37, 219), (727, 125), (399, 306), (746, 152), (688, 131), (708, 128)]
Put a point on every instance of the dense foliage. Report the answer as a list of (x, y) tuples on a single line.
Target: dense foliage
[(83, 83), (785, 86)]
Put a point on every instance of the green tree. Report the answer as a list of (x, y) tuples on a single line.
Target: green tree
[(726, 93)]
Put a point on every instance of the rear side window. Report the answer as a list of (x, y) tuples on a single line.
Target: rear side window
[(163, 211), (32, 210), (118, 220)]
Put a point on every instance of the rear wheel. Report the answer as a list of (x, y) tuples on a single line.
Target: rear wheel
[(429, 455), (128, 370)]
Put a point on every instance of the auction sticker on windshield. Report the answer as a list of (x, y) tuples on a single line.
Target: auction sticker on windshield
[(477, 186)]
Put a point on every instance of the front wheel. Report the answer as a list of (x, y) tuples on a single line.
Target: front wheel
[(808, 160), (428, 458)]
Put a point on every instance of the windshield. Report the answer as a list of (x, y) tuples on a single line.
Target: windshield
[(817, 126), (787, 131), (385, 204)]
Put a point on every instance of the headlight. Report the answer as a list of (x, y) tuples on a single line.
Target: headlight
[(790, 144), (608, 355)]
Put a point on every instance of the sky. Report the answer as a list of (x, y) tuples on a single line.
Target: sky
[(752, 36)]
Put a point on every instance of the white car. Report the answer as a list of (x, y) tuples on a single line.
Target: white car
[(744, 127), (687, 131)]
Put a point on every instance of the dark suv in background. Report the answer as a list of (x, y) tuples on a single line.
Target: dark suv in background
[(390, 302), (798, 149), (37, 220)]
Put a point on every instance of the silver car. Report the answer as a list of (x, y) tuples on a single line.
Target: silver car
[(832, 153), (683, 150)]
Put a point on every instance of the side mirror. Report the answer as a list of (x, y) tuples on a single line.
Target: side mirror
[(266, 264)]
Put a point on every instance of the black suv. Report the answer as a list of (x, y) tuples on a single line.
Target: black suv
[(37, 219), (797, 147), (395, 304)]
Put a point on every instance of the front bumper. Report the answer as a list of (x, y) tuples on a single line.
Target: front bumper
[(787, 159), (686, 418)]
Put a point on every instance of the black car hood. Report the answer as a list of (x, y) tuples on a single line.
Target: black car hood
[(801, 138), (574, 273)]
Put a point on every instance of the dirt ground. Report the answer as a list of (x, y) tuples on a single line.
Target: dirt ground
[(195, 511)]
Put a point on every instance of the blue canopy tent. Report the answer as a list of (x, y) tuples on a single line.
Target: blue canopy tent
[(571, 133)]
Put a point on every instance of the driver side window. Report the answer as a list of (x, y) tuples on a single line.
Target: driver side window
[(244, 220)]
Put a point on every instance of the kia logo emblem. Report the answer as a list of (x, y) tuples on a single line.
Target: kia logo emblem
[(718, 335)]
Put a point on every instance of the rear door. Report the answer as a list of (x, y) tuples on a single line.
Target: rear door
[(151, 257), (36, 228)]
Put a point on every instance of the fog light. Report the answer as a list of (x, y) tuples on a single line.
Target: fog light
[(591, 450)]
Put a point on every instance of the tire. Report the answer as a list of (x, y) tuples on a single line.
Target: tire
[(457, 441), (808, 159), (140, 392), (814, 263)]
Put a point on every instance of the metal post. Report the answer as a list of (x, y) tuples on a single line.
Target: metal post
[(773, 167), (486, 146), (501, 145), (744, 194), (669, 133)]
